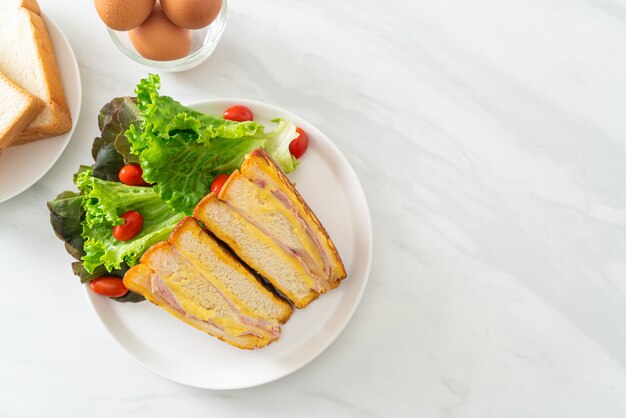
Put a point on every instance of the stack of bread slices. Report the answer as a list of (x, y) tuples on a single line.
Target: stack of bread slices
[(32, 101)]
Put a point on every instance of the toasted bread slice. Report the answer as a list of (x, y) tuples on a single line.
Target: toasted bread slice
[(18, 109), (259, 168), (264, 220), (263, 208), (139, 279), (27, 58), (199, 282), (226, 273), (257, 250)]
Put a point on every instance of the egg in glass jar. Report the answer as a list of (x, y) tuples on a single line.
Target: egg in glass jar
[(170, 35)]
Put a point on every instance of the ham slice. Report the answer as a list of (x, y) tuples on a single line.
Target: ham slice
[(257, 326)]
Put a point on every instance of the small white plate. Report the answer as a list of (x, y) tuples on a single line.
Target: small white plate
[(22, 166), (183, 354)]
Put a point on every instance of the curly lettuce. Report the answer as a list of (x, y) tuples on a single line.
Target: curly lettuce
[(182, 150), (103, 202)]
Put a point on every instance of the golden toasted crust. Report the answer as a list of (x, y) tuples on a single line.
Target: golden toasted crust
[(31, 5), (62, 121), (152, 250), (264, 161), (137, 279), (30, 112)]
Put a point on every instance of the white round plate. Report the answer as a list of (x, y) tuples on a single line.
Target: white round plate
[(183, 354), (22, 166)]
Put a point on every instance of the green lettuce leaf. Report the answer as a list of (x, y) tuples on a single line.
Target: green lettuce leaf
[(182, 150), (103, 202), (277, 145), (66, 213)]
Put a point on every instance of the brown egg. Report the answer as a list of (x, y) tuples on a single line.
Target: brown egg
[(159, 39), (124, 14), (191, 14)]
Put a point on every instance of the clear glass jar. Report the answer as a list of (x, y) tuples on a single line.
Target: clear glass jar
[(203, 44)]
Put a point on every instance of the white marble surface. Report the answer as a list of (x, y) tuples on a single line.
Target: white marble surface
[(490, 140)]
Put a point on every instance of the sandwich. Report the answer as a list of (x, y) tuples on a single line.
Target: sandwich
[(262, 218), (204, 274), (198, 281), (18, 109), (27, 58)]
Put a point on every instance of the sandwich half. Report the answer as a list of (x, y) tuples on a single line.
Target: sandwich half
[(261, 216), (195, 279)]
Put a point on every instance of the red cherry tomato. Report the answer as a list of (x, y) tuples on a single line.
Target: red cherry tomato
[(238, 113), (133, 222), (299, 144), (218, 183), (131, 174), (110, 286)]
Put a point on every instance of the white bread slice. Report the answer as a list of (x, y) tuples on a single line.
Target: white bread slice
[(257, 250), (27, 57), (213, 291), (18, 109), (31, 5)]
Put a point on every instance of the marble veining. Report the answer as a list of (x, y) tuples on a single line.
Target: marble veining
[(489, 138)]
